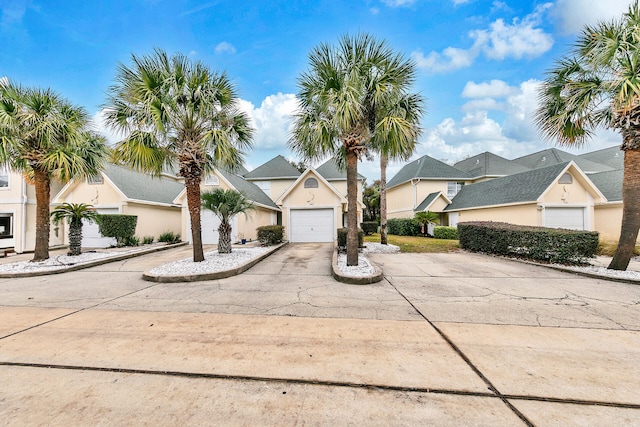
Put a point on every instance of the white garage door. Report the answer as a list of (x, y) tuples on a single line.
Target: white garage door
[(91, 237), (209, 223), (312, 225), (571, 218)]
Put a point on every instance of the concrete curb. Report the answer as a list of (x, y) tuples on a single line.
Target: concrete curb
[(364, 280), (209, 276), (88, 264)]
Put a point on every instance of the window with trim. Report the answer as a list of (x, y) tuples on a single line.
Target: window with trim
[(566, 179), (4, 177), (95, 179), (454, 188), (310, 183), (6, 225), (211, 180), (264, 186)]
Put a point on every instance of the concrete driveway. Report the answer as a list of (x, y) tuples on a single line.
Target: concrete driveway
[(445, 339)]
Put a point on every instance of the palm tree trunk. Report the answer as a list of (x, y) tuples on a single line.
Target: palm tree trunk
[(224, 238), (75, 238), (352, 208), (630, 211), (42, 185), (192, 184), (383, 198)]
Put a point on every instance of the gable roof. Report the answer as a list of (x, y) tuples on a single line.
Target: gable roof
[(612, 157), (140, 186), (276, 168), (301, 178), (609, 183), (250, 190), (426, 203), (330, 171), (489, 164), (553, 156), (519, 188), (428, 168)]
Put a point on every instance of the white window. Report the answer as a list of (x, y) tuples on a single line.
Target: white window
[(454, 188), (566, 179), (211, 180), (311, 183), (95, 179), (4, 177), (264, 186)]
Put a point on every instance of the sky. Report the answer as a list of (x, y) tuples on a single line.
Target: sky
[(479, 62)]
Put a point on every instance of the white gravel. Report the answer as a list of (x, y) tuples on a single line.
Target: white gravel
[(213, 262), (57, 262), (363, 269), (602, 271), (378, 248)]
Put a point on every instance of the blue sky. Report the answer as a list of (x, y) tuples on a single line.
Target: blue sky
[(479, 61)]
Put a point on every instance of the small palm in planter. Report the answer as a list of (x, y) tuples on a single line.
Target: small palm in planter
[(225, 204), (74, 213)]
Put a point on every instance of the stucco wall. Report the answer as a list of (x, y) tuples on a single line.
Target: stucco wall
[(574, 193), (256, 218), (154, 220), (521, 214), (608, 218)]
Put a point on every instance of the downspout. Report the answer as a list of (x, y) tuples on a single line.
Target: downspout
[(414, 183), (24, 216)]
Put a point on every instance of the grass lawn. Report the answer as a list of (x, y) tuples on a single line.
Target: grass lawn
[(417, 244)]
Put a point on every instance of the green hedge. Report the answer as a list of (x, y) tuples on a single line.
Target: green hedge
[(269, 235), (536, 243), (447, 233), (121, 227), (342, 238), (404, 227), (369, 227)]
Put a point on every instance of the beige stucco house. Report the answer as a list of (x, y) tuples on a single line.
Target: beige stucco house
[(559, 196), (118, 190)]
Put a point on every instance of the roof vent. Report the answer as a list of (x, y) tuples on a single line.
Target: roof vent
[(477, 161), (544, 159)]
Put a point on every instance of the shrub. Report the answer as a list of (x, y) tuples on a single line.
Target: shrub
[(121, 227), (342, 238), (147, 240), (447, 233), (169, 237), (537, 243), (369, 227), (270, 234), (404, 227), (132, 241)]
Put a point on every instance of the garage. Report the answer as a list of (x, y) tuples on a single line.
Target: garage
[(209, 223), (91, 237), (564, 217), (311, 225)]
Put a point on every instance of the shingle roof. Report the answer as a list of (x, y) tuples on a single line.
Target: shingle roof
[(330, 171), (612, 157), (428, 168), (276, 168), (252, 191), (139, 186), (489, 164), (553, 156), (426, 202), (519, 188), (609, 183)]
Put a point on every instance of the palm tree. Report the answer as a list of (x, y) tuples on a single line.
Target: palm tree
[(74, 213), (396, 135), (225, 204), (344, 100), (44, 137), (176, 112), (597, 85)]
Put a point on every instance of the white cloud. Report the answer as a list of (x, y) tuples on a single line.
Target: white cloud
[(12, 12), (450, 59), (521, 38), (492, 89), (272, 120), (573, 15), (100, 127), (224, 47)]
